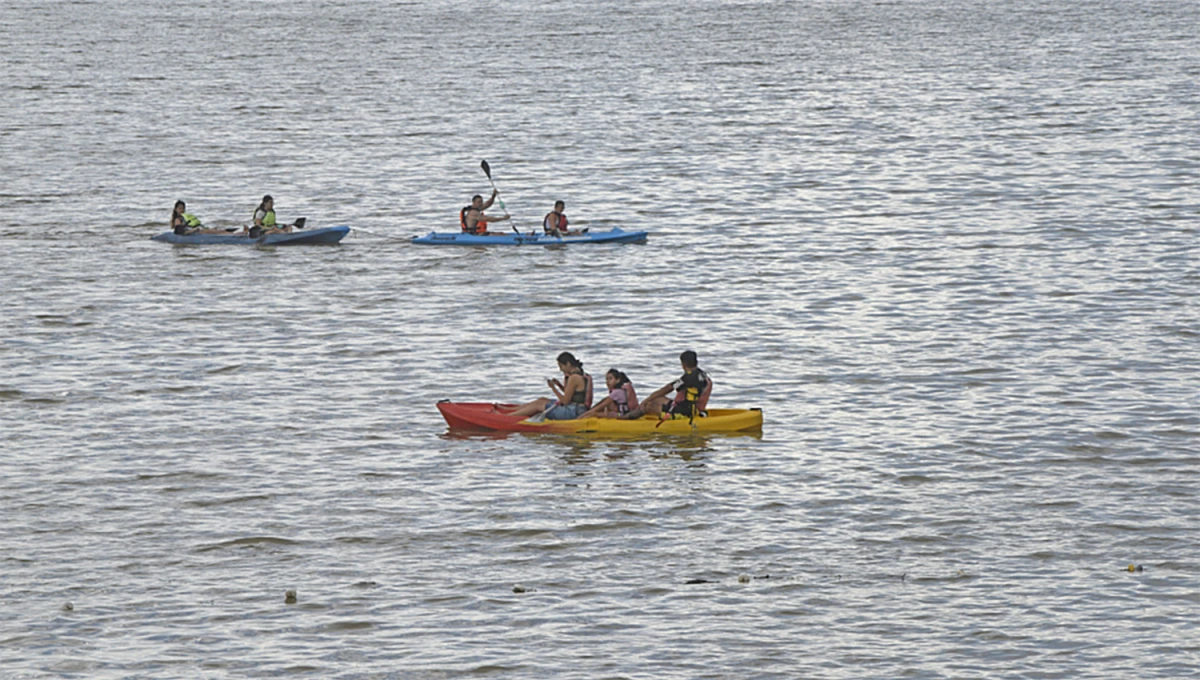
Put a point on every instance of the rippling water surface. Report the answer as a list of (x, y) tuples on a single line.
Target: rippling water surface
[(948, 248)]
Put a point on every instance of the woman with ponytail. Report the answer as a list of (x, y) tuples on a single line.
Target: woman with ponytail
[(184, 223), (573, 394)]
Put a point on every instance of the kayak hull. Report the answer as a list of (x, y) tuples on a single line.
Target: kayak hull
[(479, 416), (533, 239), (306, 237)]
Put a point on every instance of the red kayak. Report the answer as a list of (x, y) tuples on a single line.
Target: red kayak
[(462, 416)]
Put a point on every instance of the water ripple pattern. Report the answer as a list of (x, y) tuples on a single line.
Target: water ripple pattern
[(948, 248)]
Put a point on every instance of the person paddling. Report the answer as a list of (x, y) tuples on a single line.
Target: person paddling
[(691, 393), (264, 220), (472, 218)]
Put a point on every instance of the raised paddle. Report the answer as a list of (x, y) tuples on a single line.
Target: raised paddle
[(487, 170)]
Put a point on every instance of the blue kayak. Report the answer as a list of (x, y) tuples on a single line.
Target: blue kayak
[(533, 239), (305, 237)]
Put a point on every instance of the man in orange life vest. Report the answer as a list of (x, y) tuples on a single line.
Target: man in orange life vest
[(471, 218)]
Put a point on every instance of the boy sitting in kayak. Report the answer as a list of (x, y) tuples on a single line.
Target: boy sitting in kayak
[(692, 390), (555, 222)]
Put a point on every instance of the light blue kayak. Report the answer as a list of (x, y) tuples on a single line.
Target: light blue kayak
[(304, 237), (533, 239)]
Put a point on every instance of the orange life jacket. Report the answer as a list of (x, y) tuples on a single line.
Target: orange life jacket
[(480, 224)]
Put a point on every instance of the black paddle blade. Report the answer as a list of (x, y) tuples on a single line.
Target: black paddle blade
[(487, 170)]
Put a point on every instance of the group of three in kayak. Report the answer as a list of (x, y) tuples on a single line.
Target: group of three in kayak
[(573, 395), (184, 222), (473, 220)]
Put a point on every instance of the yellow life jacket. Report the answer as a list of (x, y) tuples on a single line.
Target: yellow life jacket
[(268, 220)]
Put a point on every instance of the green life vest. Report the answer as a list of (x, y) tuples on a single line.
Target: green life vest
[(192, 220), (268, 219)]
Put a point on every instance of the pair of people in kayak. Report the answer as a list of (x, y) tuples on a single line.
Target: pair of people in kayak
[(573, 395), (184, 223), (473, 220)]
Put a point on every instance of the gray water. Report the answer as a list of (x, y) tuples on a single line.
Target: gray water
[(948, 248)]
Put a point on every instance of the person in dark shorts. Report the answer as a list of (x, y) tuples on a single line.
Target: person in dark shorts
[(691, 393)]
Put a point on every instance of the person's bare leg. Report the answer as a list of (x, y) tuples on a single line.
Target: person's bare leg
[(651, 408), (532, 408)]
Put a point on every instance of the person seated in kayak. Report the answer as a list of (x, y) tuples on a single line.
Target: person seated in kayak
[(473, 220), (184, 223), (573, 395), (620, 400), (691, 393), (264, 219), (555, 222)]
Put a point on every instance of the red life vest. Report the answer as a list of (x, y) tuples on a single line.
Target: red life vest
[(560, 223), (631, 400)]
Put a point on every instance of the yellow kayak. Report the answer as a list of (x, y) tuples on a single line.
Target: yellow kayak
[(477, 416)]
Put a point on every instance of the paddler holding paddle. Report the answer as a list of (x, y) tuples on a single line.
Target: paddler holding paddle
[(264, 220), (472, 218)]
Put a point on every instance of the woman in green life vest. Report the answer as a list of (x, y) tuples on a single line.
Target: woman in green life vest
[(264, 219), (183, 222)]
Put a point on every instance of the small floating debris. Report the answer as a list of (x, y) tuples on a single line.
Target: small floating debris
[(522, 589), (68, 607), (696, 581), (289, 597)]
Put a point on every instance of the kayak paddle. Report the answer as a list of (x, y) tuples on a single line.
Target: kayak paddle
[(487, 170)]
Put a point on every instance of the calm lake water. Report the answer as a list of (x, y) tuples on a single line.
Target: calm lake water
[(949, 248)]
